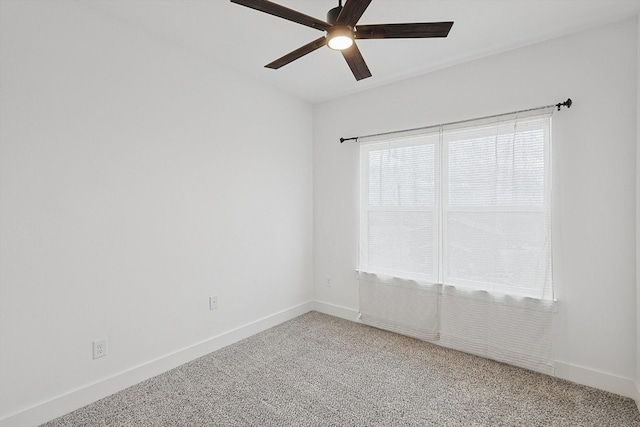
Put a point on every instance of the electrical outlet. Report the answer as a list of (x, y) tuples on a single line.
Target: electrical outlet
[(213, 303), (100, 348)]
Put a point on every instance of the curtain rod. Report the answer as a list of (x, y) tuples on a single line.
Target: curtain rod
[(566, 103)]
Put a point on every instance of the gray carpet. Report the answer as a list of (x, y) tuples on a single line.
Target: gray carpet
[(318, 370)]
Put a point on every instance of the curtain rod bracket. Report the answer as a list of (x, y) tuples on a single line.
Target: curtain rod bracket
[(566, 103), (348, 139)]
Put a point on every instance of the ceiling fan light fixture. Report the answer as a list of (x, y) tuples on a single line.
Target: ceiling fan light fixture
[(339, 38)]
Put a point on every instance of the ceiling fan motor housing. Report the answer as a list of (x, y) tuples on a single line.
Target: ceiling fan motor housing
[(332, 15)]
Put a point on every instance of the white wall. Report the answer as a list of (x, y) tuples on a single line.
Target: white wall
[(594, 187), (136, 180)]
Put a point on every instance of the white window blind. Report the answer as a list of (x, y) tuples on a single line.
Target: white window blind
[(465, 205)]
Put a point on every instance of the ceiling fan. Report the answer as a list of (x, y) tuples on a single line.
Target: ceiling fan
[(342, 31)]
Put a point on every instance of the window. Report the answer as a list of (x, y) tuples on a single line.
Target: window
[(465, 205)]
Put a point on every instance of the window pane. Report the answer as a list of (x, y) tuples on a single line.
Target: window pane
[(399, 215), (498, 250), (403, 242), (502, 170), (402, 176), (497, 234)]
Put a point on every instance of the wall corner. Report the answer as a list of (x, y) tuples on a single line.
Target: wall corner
[(638, 215)]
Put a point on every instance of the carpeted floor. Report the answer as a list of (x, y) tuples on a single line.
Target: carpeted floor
[(318, 370)]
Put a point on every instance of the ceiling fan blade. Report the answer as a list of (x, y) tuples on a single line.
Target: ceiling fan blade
[(403, 31), (285, 13), (356, 62), (352, 11), (298, 53)]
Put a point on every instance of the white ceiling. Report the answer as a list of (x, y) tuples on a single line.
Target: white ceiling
[(245, 39)]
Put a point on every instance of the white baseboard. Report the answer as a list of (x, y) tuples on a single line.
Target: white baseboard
[(601, 380), (80, 397), (336, 310)]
